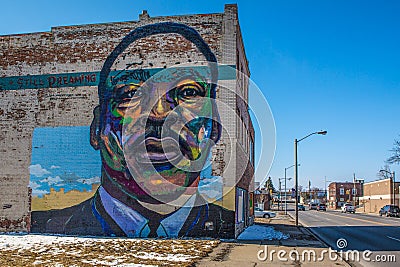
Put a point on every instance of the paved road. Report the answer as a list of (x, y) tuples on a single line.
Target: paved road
[(360, 232)]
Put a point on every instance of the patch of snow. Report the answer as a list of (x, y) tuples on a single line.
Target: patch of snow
[(259, 232), (163, 257), (27, 242), (96, 262), (135, 265)]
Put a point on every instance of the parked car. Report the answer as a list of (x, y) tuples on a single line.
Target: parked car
[(301, 207), (348, 207), (312, 206), (390, 211), (259, 213), (321, 207)]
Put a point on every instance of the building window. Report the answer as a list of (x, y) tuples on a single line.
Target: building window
[(341, 191), (240, 205), (354, 191), (251, 152)]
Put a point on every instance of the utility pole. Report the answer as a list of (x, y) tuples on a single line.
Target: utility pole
[(393, 179), (280, 194), (354, 189), (296, 183), (394, 188)]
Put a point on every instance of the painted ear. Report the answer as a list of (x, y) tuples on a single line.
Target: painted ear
[(95, 129), (216, 131), (216, 125)]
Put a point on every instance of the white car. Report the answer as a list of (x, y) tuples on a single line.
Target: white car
[(348, 207), (259, 213)]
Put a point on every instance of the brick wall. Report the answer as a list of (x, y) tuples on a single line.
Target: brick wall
[(83, 49), (378, 194)]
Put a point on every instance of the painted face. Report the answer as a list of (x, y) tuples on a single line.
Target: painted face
[(156, 135)]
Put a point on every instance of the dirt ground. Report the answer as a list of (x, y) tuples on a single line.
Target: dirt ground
[(106, 252)]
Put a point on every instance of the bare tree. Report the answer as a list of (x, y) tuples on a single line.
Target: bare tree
[(395, 158), (315, 189), (384, 172), (300, 188)]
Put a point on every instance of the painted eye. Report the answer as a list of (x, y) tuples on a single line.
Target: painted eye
[(187, 92), (128, 96), (132, 94)]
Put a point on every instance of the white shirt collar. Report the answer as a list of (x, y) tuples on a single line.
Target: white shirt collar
[(134, 224)]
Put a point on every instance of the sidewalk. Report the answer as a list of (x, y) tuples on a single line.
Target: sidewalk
[(252, 252)]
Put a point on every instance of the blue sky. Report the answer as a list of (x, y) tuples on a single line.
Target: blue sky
[(331, 65), (63, 158)]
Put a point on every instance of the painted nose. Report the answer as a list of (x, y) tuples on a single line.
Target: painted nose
[(162, 113), (161, 108)]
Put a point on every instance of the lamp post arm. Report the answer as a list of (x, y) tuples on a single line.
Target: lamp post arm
[(319, 132), (306, 136)]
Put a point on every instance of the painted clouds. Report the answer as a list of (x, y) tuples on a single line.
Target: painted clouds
[(41, 184), (63, 158)]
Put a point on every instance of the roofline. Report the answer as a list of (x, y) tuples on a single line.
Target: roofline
[(377, 181), (104, 23)]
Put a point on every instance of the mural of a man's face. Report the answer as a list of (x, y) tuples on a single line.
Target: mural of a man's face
[(156, 135)]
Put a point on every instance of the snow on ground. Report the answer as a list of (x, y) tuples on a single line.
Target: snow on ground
[(259, 232), (46, 250)]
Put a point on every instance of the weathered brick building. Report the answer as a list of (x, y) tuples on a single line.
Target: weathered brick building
[(48, 98)]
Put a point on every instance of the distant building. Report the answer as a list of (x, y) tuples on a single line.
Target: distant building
[(343, 192), (378, 194), (262, 199), (315, 195), (61, 199)]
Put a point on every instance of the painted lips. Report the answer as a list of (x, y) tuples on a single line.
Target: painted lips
[(159, 151)]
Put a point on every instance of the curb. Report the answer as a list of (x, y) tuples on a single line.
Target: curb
[(307, 228)]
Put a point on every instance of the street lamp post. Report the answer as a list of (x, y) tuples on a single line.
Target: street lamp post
[(354, 190), (393, 184), (327, 191), (296, 172), (280, 194), (285, 187)]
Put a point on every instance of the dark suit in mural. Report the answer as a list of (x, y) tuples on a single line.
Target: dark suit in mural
[(91, 218), (155, 137)]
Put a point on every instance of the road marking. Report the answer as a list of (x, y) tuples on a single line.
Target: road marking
[(393, 238), (358, 219)]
